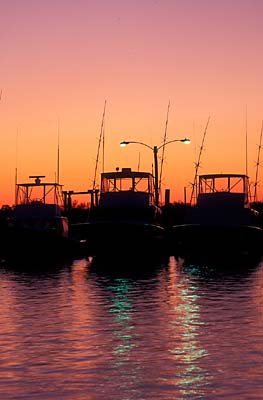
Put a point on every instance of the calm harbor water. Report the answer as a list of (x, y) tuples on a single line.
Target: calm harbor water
[(74, 330)]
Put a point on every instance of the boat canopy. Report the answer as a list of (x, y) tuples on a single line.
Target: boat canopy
[(39, 192), (126, 188), (228, 189)]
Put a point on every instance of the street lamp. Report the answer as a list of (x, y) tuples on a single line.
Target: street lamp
[(155, 150)]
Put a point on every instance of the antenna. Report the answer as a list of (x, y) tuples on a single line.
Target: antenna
[(103, 139), (197, 164), (139, 161), (58, 151), (15, 164), (257, 164), (163, 149), (98, 151)]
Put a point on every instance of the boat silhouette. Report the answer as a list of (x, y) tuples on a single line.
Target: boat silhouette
[(221, 222)]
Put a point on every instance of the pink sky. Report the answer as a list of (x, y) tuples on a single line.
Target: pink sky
[(61, 59)]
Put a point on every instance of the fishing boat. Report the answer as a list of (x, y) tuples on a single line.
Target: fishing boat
[(126, 220), (38, 224), (222, 222)]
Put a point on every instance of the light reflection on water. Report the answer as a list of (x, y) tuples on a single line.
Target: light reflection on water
[(169, 331)]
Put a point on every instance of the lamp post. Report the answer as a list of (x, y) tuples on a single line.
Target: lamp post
[(155, 150)]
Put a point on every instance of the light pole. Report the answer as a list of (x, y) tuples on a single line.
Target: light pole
[(155, 150)]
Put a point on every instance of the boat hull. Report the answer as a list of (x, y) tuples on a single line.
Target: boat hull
[(106, 239), (217, 240), (23, 244)]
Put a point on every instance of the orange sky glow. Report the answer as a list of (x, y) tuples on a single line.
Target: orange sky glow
[(62, 59)]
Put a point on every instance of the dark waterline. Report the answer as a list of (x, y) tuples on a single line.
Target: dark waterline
[(160, 330)]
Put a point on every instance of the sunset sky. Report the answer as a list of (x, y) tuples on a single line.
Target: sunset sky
[(62, 59)]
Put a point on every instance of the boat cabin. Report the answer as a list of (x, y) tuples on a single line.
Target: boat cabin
[(126, 216), (222, 199), (228, 190), (39, 192), (126, 188), (39, 207), (126, 195)]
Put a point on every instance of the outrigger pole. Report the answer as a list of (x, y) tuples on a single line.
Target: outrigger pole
[(258, 163), (197, 164), (98, 151), (163, 149), (246, 144)]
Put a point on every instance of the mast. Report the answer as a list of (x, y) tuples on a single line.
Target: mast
[(197, 164), (163, 149), (98, 151), (257, 164)]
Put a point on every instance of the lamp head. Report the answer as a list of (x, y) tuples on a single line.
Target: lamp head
[(186, 141), (124, 143)]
